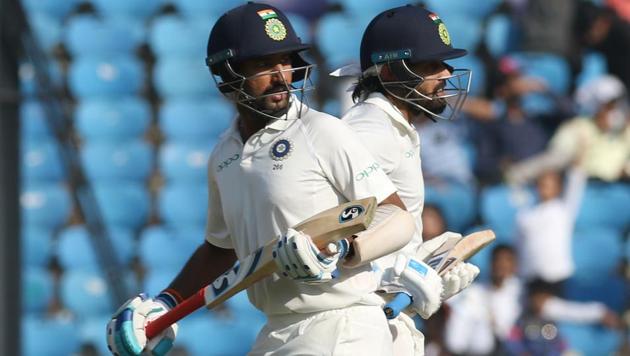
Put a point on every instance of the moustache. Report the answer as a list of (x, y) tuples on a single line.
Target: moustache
[(276, 89)]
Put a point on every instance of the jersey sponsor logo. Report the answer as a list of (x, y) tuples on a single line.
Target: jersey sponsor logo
[(367, 171), (350, 213), (281, 149), (228, 161), (409, 154)]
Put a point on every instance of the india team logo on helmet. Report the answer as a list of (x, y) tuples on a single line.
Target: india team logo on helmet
[(442, 31), (273, 26)]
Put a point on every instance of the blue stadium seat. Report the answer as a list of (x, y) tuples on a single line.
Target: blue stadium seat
[(112, 119), (591, 340), (203, 9), (186, 77), (465, 31), (593, 66), (46, 30), (182, 161), (613, 290), (91, 332), (123, 204), (105, 161), (105, 77), (225, 338), (85, 293), (28, 81), (369, 8), (477, 9), (33, 119), (157, 246), (41, 161), (478, 78), (137, 9), (45, 205), (501, 35), (156, 280), (302, 27), (553, 70), (195, 120), (51, 337), (37, 290), (36, 246), (597, 252), (53, 8), (182, 205), (456, 201), (75, 249), (174, 36), (605, 205), (89, 36), (339, 39), (499, 206)]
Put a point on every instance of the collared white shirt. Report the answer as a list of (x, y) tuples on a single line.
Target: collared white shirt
[(395, 144), (285, 173)]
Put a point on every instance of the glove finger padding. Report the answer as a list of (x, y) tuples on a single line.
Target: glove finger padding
[(298, 258), (458, 278), (417, 279)]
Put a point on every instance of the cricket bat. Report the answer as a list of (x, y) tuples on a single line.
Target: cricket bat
[(453, 250), (328, 226)]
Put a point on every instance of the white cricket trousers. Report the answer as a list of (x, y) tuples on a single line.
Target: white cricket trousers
[(352, 331)]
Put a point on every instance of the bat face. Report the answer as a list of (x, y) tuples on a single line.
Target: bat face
[(459, 250), (328, 226)]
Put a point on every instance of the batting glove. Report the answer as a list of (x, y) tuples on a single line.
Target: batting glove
[(418, 280), (126, 334), (298, 258), (458, 278)]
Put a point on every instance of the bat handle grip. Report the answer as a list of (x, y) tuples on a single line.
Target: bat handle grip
[(183, 309), (397, 305)]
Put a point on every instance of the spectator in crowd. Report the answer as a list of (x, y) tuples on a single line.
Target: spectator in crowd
[(545, 230), (533, 333), (433, 223), (601, 29), (484, 313), (489, 318), (547, 26), (503, 133), (597, 142)]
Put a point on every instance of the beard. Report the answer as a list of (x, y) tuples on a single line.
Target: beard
[(264, 104)]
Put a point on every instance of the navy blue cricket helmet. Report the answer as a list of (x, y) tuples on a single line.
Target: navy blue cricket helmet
[(253, 30), (407, 35), (410, 32)]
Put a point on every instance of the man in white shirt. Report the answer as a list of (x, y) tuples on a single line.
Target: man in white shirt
[(403, 78), (545, 230), (279, 164)]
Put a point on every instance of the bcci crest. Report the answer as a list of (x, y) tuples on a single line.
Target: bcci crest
[(281, 149), (275, 29), (444, 36), (442, 31)]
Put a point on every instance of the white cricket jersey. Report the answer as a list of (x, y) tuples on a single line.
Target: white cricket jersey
[(285, 173), (395, 144)]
